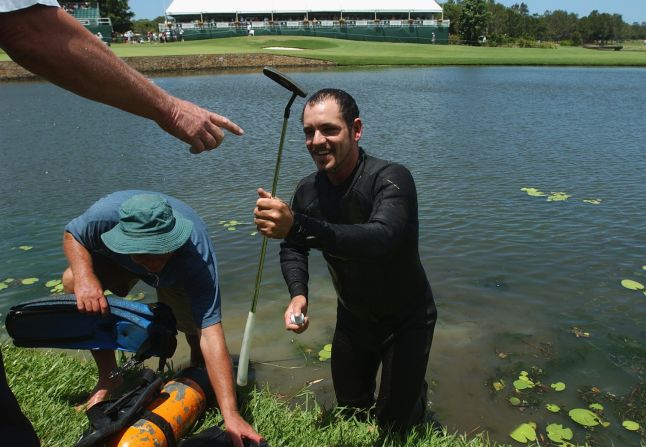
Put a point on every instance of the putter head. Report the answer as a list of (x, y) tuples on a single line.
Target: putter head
[(283, 80)]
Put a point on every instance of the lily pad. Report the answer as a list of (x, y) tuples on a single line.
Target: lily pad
[(231, 228), (29, 281), (514, 401), (558, 196), (596, 406), (25, 247), (3, 286), (584, 417), (592, 201), (328, 347), (553, 408), (630, 425), (558, 433), (632, 285), (499, 385), (52, 283), (558, 386), (524, 433), (533, 192), (9, 280), (522, 384), (324, 355)]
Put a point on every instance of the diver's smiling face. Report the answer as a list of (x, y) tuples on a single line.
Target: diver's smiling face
[(333, 146)]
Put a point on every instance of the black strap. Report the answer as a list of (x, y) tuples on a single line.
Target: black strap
[(163, 425)]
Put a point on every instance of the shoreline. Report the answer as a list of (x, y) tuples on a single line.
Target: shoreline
[(11, 71)]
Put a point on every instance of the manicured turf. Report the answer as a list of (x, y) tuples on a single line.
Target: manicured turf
[(348, 52)]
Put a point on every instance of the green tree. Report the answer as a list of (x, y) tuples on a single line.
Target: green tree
[(601, 27), (473, 20), (559, 25), (118, 11), (452, 11)]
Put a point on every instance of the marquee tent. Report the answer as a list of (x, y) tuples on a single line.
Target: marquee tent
[(187, 7)]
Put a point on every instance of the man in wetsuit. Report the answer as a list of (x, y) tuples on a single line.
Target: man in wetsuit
[(361, 212)]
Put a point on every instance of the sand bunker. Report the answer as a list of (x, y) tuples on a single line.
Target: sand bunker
[(283, 48)]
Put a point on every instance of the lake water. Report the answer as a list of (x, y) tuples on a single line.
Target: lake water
[(514, 275)]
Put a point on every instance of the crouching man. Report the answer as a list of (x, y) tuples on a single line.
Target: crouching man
[(129, 236)]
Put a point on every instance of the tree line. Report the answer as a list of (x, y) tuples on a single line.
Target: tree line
[(475, 21)]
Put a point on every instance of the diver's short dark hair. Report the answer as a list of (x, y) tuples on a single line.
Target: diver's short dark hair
[(347, 105)]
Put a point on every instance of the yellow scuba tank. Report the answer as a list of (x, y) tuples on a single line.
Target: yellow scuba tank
[(171, 415)]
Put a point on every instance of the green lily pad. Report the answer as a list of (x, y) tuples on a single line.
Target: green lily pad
[(558, 196), (3, 286), (584, 417), (231, 228), (596, 406), (524, 433), (25, 247), (592, 201), (630, 425), (553, 408), (643, 267), (514, 401), (558, 386), (632, 285), (29, 281), (53, 282), (522, 384), (9, 280), (324, 355), (533, 192), (557, 433), (328, 347)]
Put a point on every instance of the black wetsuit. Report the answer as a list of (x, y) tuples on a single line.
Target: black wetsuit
[(367, 229)]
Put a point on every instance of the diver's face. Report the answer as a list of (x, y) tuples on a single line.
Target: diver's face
[(333, 146)]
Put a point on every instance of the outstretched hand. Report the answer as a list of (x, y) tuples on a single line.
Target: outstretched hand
[(272, 216), (196, 126)]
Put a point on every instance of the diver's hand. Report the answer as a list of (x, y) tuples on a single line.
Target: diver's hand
[(196, 126), (298, 306), (272, 216), (89, 296)]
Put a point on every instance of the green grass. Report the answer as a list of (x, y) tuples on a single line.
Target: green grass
[(48, 385), (349, 52)]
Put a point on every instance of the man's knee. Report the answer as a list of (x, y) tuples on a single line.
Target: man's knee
[(68, 280)]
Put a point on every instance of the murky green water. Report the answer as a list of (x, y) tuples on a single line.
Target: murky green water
[(512, 274)]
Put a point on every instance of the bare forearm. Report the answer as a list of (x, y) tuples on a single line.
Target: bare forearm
[(218, 365), (76, 60), (77, 256)]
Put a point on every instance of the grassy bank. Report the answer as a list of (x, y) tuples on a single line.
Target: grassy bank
[(49, 384), (348, 52)]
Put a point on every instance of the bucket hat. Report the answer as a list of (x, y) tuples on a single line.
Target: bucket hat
[(147, 225)]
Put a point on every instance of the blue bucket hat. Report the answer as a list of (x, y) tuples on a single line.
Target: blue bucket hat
[(147, 225)]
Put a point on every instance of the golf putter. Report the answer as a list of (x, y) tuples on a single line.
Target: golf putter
[(243, 361)]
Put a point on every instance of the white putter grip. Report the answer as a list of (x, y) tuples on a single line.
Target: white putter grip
[(243, 361)]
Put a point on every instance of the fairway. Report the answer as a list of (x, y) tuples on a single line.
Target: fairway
[(350, 52)]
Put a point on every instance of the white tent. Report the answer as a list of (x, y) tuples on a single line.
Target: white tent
[(181, 7)]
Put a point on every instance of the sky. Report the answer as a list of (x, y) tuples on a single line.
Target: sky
[(631, 10)]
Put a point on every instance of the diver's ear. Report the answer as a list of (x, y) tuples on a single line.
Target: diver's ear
[(357, 129)]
